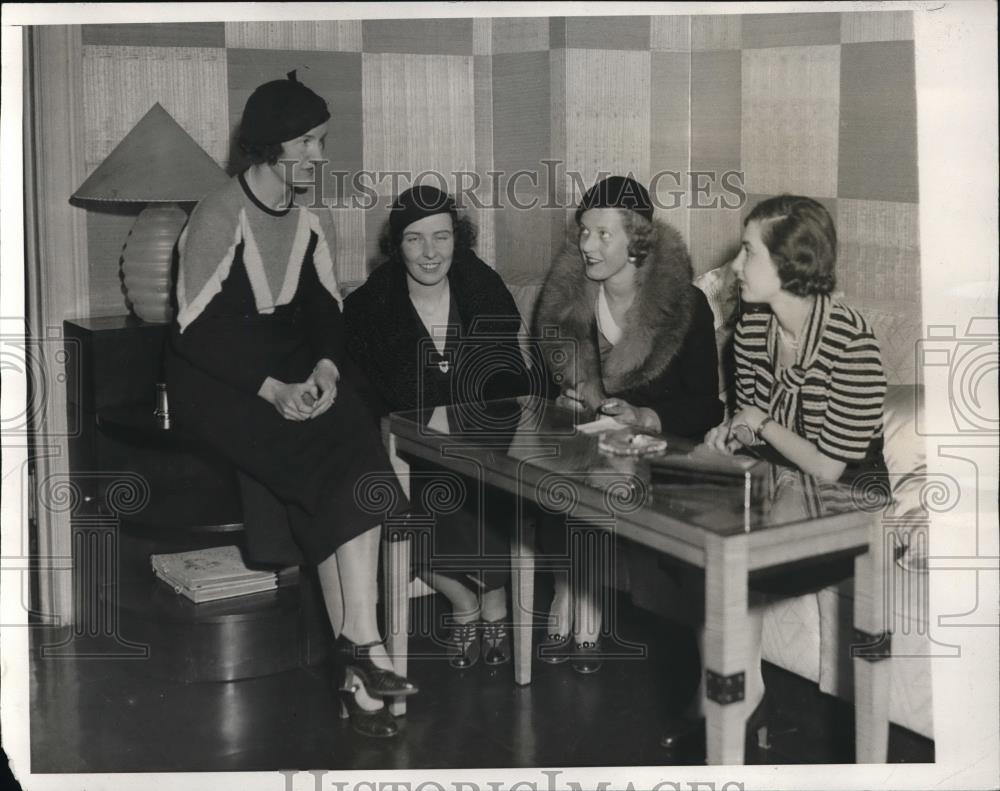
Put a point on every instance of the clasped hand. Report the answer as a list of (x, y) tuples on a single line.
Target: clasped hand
[(304, 400), (721, 437)]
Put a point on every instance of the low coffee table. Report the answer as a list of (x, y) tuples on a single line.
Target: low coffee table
[(532, 448)]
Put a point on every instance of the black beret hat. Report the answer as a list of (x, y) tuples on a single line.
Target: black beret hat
[(281, 110), (617, 192), (415, 204)]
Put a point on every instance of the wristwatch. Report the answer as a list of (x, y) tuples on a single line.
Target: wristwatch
[(747, 437)]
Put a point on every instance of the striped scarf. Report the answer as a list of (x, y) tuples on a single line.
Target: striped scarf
[(788, 381)]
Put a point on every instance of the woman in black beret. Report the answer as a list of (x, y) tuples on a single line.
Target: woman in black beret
[(433, 326), (638, 345), (258, 370)]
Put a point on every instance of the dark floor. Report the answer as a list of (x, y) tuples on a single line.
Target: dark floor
[(112, 716)]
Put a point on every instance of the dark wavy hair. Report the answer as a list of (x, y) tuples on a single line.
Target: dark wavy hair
[(800, 235), (260, 154), (640, 235), (465, 240)]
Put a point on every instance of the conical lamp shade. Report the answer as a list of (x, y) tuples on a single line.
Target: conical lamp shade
[(156, 162)]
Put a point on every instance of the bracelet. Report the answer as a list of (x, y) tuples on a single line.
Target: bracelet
[(760, 429)]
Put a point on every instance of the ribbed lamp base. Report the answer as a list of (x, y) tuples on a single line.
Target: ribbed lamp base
[(146, 261)]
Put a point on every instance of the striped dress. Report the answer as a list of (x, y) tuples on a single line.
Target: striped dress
[(832, 395)]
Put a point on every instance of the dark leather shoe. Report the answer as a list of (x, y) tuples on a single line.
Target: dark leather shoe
[(378, 724), (496, 643), (587, 657), (379, 683), (463, 645), (555, 649)]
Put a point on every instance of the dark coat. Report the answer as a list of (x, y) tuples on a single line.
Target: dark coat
[(484, 362), (389, 342), (666, 360), (298, 479)]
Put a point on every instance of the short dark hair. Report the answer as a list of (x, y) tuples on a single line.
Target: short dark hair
[(465, 240), (260, 153), (638, 229), (802, 240)]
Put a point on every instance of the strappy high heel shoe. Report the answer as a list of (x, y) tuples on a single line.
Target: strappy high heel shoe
[(496, 643), (379, 683), (463, 645), (555, 648), (375, 723)]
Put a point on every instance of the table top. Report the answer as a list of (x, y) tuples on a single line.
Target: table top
[(533, 447)]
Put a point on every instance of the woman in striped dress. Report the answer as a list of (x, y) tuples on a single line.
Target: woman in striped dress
[(809, 379), (809, 393)]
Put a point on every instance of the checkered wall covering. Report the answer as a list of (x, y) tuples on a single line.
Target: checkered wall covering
[(822, 104)]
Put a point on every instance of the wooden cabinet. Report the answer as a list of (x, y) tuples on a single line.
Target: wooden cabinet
[(144, 489)]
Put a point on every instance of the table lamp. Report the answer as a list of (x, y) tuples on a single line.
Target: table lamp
[(161, 165)]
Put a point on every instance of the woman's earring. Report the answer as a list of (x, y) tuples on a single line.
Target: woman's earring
[(632, 259)]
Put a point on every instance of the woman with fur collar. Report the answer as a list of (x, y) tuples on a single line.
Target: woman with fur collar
[(636, 341)]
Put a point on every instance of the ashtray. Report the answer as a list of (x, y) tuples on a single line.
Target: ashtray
[(631, 442)]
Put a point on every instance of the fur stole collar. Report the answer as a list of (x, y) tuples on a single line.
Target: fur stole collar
[(654, 329)]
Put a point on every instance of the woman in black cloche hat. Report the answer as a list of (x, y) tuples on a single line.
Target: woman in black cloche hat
[(434, 326), (639, 346), (258, 370)]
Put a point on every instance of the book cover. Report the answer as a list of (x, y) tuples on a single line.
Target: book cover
[(201, 568)]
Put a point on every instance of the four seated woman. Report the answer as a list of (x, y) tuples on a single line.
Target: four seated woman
[(637, 342), (433, 326)]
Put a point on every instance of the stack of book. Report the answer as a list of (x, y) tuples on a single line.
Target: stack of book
[(210, 574)]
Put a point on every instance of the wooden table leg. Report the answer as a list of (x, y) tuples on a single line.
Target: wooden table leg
[(522, 582), (727, 645), (871, 650), (397, 578), (397, 602)]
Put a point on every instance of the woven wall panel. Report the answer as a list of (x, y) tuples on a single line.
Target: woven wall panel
[(350, 260), (608, 32), (418, 36), (419, 114), (485, 220), (514, 34), (876, 26), (790, 30), (482, 68), (715, 109), (122, 83), (482, 36), (879, 246), (791, 88), (878, 122), (670, 33), (716, 31), (332, 35), (715, 233), (524, 247), (521, 104), (670, 111), (184, 34), (607, 117), (557, 32)]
